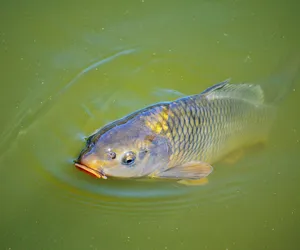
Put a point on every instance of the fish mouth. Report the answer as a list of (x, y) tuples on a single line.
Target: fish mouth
[(98, 174)]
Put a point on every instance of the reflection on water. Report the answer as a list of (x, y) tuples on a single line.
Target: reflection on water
[(68, 72)]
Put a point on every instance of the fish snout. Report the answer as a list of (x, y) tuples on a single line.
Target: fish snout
[(91, 164)]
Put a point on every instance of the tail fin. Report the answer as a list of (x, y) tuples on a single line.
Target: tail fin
[(284, 80)]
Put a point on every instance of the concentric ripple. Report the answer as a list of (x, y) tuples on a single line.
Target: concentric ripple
[(53, 133)]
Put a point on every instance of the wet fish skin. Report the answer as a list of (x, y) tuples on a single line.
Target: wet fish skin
[(199, 128), (207, 128)]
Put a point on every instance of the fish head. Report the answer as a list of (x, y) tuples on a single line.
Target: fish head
[(127, 151)]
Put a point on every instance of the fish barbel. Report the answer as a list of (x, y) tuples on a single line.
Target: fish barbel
[(180, 139)]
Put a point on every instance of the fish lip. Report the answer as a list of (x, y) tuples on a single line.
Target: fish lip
[(98, 174)]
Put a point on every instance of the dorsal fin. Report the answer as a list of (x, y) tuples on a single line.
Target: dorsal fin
[(215, 87), (243, 91)]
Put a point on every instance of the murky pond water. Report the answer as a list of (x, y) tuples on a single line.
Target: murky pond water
[(68, 68)]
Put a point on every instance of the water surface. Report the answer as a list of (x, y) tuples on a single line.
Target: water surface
[(69, 68)]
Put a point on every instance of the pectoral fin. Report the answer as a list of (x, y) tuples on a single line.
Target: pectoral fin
[(191, 171)]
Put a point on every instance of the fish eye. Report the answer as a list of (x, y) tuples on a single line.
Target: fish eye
[(112, 155), (128, 158)]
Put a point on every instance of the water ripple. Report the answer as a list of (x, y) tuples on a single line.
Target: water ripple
[(53, 133)]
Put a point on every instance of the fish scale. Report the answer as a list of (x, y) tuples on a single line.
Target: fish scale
[(201, 129), (180, 138)]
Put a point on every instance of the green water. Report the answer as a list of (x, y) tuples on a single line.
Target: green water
[(67, 68)]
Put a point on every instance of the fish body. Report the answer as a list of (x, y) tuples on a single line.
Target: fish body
[(208, 126), (180, 139)]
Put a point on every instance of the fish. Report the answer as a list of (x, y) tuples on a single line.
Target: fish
[(181, 139)]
